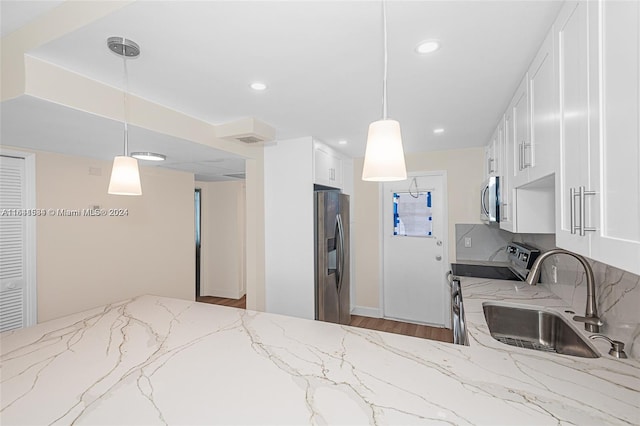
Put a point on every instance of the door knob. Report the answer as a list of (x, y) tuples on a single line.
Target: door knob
[(439, 243), (438, 258)]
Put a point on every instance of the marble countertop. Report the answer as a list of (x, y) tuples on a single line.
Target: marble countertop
[(154, 360)]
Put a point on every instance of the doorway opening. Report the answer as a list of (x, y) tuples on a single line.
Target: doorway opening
[(198, 228)]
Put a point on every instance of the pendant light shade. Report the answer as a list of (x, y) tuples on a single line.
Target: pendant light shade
[(384, 156), (125, 177)]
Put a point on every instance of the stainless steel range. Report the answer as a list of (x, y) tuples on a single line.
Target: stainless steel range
[(521, 258)]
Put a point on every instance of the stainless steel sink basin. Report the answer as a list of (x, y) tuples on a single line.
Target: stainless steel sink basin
[(535, 329)]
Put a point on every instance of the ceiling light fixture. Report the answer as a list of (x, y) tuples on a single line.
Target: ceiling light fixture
[(438, 131), (258, 86), (342, 142), (427, 46), (148, 156), (125, 176), (384, 155)]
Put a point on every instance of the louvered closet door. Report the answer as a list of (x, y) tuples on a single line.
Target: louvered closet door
[(13, 308)]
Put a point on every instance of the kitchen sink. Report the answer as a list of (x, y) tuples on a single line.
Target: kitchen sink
[(536, 329)]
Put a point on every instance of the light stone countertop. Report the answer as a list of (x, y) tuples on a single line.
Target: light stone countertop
[(154, 360)]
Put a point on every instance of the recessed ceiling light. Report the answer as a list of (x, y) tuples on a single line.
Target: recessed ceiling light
[(427, 46), (258, 86), (342, 142), (438, 130), (148, 156)]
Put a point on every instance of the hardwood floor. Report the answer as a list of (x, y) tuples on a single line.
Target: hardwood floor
[(380, 324), (234, 303), (405, 328)]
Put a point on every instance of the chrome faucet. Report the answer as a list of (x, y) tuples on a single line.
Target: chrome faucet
[(592, 322)]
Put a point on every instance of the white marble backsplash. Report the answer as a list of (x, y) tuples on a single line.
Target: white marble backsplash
[(617, 291), (488, 242)]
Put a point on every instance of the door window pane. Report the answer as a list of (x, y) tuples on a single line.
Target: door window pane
[(412, 216)]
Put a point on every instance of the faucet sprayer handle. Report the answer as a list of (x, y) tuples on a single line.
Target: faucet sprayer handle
[(617, 347), (589, 320), (591, 323)]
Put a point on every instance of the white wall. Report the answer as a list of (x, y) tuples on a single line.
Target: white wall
[(84, 262), (464, 175), (289, 277), (222, 255)]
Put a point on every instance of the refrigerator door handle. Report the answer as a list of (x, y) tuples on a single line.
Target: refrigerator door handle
[(340, 253)]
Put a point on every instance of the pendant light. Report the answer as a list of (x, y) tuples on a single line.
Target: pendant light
[(125, 176), (384, 155)]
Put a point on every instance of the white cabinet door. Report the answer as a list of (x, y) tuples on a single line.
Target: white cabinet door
[(507, 217), (541, 153), (490, 156), (576, 141), (492, 153), (616, 240), (521, 141), (327, 166)]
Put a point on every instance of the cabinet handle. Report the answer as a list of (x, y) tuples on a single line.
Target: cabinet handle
[(572, 211), (489, 163), (521, 156), (524, 155), (584, 229)]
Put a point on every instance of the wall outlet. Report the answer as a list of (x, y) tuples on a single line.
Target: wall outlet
[(467, 242), (554, 274)]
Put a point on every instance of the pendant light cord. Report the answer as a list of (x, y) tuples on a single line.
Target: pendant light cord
[(414, 182), (126, 90), (384, 79)]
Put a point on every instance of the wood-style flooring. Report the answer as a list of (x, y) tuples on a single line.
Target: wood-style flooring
[(405, 328), (380, 324), (234, 303)]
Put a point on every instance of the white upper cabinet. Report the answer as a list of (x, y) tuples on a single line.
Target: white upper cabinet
[(539, 156), (521, 135), (527, 206), (576, 141), (507, 218), (327, 166), (616, 240), (598, 190), (492, 154), (534, 112)]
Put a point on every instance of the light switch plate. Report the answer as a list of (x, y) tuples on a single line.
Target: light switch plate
[(467, 242)]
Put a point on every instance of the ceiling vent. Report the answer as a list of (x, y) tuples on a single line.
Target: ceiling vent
[(249, 139), (247, 130), (236, 175)]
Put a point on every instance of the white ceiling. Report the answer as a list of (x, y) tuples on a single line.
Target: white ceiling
[(322, 61), (15, 14)]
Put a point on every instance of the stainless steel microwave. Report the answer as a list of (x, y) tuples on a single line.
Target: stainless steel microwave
[(490, 200)]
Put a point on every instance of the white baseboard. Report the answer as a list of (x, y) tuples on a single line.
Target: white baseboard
[(366, 312)]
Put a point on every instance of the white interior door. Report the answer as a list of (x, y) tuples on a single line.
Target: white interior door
[(14, 306), (415, 247)]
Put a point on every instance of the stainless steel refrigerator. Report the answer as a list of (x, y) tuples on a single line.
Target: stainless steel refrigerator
[(332, 257)]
